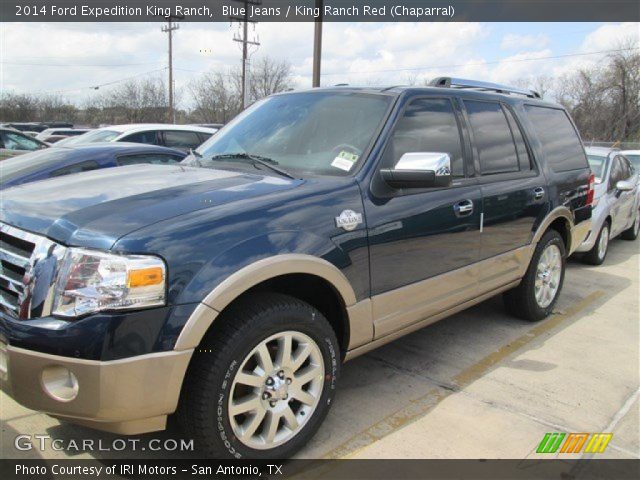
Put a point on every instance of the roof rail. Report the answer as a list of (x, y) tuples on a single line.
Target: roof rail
[(449, 82)]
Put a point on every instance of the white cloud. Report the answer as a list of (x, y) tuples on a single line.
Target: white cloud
[(514, 41)]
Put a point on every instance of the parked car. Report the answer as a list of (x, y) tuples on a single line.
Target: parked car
[(56, 162), (634, 157), (13, 142), (313, 228), (26, 126), (53, 135), (182, 137), (616, 204), (215, 126)]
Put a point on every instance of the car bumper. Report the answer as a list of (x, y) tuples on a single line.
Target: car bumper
[(128, 396)]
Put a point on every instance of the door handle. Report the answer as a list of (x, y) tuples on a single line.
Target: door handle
[(538, 193), (463, 208)]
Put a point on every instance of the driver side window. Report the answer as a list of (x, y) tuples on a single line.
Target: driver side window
[(428, 125)]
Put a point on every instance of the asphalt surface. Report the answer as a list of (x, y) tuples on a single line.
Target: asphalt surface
[(479, 384)]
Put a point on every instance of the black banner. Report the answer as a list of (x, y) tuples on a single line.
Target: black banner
[(329, 11), (317, 469)]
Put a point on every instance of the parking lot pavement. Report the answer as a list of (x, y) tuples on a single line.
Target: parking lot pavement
[(477, 385)]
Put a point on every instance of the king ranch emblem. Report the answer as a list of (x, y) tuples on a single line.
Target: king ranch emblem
[(349, 220)]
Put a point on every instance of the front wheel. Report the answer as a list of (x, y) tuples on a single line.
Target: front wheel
[(598, 253), (632, 232), (538, 292), (262, 384)]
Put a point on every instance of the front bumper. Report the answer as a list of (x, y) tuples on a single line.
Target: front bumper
[(128, 396), (598, 217)]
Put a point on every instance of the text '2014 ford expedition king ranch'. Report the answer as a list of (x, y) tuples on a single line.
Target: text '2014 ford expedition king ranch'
[(313, 228)]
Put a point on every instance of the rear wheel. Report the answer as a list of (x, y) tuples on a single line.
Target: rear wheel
[(538, 292), (262, 384), (632, 233), (598, 253)]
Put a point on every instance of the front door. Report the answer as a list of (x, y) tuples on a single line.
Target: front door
[(422, 241)]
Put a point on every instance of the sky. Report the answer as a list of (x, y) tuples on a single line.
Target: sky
[(72, 58)]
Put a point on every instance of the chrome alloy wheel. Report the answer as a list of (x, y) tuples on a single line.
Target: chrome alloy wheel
[(548, 276), (276, 390), (603, 242)]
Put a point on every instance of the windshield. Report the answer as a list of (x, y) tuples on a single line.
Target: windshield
[(597, 164), (90, 137), (323, 133)]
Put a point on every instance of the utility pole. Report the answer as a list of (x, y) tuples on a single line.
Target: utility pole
[(317, 46), (244, 19), (169, 28)]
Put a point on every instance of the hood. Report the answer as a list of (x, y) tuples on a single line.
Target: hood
[(94, 209)]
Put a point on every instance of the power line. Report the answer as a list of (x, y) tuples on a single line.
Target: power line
[(97, 87), (479, 64)]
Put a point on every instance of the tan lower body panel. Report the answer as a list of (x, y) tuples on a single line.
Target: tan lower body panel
[(378, 342), (400, 308), (129, 396)]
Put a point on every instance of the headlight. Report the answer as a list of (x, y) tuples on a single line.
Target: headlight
[(91, 281)]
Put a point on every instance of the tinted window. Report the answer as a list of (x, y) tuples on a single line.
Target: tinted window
[(15, 141), (521, 147), (178, 139), (155, 158), (428, 125), (77, 168), (492, 138), (635, 161), (560, 142), (149, 137)]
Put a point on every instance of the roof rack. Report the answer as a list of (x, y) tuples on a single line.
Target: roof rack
[(449, 82)]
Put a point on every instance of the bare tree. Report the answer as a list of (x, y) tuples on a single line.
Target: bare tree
[(269, 76), (216, 98)]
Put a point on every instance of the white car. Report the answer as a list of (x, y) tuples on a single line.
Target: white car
[(616, 204), (181, 137)]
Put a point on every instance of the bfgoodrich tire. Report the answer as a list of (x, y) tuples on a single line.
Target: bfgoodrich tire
[(538, 292), (262, 382)]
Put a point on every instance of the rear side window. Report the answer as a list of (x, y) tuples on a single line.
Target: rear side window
[(560, 142), (177, 139), (492, 137), (149, 138), (428, 125), (155, 158), (77, 168)]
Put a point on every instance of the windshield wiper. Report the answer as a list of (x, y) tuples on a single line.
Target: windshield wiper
[(264, 161)]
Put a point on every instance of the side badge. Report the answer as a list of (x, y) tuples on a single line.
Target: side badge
[(348, 220)]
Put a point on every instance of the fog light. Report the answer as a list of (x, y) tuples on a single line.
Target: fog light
[(60, 383)]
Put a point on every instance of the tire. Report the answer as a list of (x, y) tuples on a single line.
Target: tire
[(632, 232), (521, 301), (598, 253), (250, 331)]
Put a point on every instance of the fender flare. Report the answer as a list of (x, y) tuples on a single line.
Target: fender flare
[(553, 215), (239, 282)]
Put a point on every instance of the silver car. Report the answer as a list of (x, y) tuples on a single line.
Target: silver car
[(616, 204)]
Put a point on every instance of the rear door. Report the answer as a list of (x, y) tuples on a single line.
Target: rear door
[(513, 190)]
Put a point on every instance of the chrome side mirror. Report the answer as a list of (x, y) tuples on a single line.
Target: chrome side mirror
[(420, 170), (625, 185)]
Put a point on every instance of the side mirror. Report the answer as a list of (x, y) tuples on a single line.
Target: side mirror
[(625, 185), (419, 170)]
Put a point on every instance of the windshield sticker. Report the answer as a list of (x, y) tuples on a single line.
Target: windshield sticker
[(345, 161)]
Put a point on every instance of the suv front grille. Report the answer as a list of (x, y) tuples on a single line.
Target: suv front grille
[(26, 287)]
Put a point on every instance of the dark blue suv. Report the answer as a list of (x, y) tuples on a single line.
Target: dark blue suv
[(314, 227)]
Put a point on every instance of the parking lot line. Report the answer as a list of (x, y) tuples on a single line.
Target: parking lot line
[(419, 407)]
